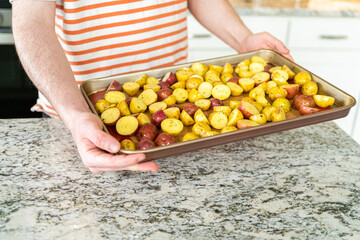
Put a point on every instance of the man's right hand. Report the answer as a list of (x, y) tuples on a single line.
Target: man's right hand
[(97, 148)]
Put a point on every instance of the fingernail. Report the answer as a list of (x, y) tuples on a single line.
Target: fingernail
[(113, 147), (140, 158)]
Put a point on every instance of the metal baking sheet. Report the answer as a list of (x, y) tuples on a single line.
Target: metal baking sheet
[(343, 103)]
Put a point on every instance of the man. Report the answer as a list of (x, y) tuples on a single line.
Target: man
[(91, 39)]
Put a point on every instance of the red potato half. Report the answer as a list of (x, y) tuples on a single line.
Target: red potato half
[(146, 144), (110, 116), (164, 139), (244, 123), (164, 93), (291, 89), (169, 78), (190, 108), (158, 117), (97, 96), (215, 102), (234, 80), (164, 85), (303, 100), (147, 131), (248, 109), (114, 86), (304, 110), (127, 125)]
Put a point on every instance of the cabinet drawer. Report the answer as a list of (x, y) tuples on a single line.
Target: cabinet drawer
[(324, 33)]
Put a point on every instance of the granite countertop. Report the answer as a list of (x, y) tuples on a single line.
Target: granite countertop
[(297, 184)]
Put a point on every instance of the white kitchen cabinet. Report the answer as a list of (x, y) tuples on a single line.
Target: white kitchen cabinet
[(330, 48), (204, 45)]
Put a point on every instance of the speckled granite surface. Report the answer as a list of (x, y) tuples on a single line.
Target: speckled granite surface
[(298, 184)]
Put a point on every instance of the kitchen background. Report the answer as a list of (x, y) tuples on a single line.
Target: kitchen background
[(323, 36)]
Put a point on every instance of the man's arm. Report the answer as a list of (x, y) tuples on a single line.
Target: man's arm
[(225, 23), (46, 64)]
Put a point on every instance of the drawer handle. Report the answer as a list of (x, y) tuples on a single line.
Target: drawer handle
[(334, 37), (199, 35)]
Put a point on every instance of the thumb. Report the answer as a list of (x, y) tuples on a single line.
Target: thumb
[(103, 140)]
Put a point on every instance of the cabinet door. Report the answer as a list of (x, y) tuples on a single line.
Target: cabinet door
[(340, 68)]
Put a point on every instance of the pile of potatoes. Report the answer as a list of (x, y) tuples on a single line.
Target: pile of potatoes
[(205, 100)]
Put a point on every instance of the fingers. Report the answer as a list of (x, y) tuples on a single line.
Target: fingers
[(93, 157), (278, 46), (103, 140), (142, 167)]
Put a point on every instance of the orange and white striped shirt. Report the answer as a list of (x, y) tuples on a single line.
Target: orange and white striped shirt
[(111, 37)]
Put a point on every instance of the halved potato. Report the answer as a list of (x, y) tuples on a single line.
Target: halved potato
[(131, 88), (143, 119), (170, 100), (137, 106), (258, 59), (154, 87), (205, 89), (181, 95), (157, 106), (200, 127), (142, 80), (248, 109), (234, 117), (172, 112), (259, 118), (323, 101), (224, 109), (127, 125), (268, 110), (101, 105), (310, 88), (212, 76), (184, 74), (199, 116), (255, 92), (110, 116), (127, 144), (189, 136), (124, 108), (114, 97), (261, 77), (218, 120), (194, 95), (256, 67), (148, 96), (186, 119), (246, 84), (301, 78), (152, 80), (172, 126), (199, 68), (228, 129), (235, 89), (280, 77), (203, 104), (278, 115), (228, 69), (221, 92), (244, 123)]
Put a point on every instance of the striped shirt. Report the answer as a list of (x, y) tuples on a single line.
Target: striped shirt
[(104, 38)]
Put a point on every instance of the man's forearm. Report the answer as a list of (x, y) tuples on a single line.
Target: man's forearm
[(45, 62), (224, 21)]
